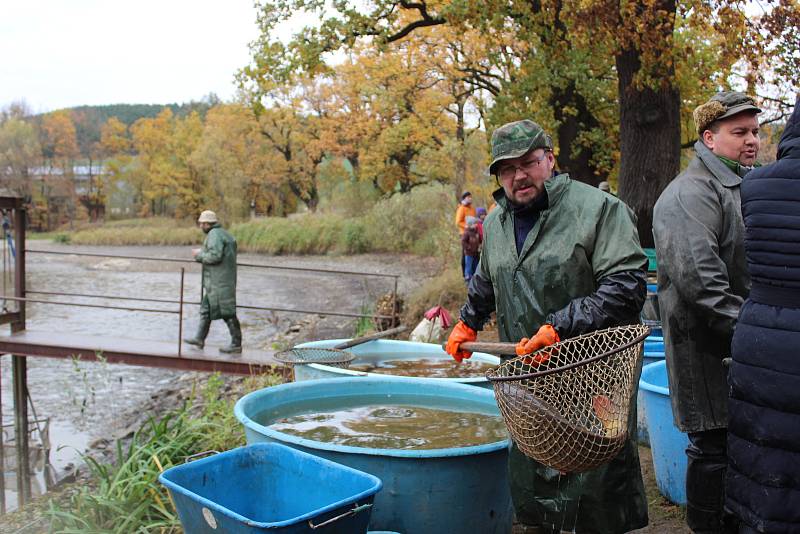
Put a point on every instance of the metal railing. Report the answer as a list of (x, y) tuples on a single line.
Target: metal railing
[(181, 302), (22, 295)]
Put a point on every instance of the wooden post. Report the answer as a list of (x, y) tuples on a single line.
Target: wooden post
[(180, 315), (20, 366), (395, 319), (2, 457)]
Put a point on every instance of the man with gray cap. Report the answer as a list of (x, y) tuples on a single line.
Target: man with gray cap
[(218, 257), (702, 283), (560, 259)]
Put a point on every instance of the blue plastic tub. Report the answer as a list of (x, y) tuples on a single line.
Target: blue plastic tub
[(653, 352), (383, 349), (667, 443), (653, 343), (268, 487), (459, 489)]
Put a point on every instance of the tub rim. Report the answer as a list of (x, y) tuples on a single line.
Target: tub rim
[(328, 343), (433, 388), (652, 387)]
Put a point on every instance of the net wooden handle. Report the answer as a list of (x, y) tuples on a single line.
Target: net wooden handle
[(359, 340), (490, 348)]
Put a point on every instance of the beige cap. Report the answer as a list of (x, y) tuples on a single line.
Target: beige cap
[(207, 216)]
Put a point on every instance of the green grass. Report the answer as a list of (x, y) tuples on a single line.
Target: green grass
[(120, 236), (419, 222), (126, 496)]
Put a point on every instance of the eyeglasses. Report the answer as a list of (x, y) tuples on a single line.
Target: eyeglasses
[(508, 172)]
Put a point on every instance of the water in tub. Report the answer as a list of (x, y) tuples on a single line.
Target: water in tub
[(384, 425), (423, 367)]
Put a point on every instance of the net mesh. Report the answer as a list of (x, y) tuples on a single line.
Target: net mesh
[(567, 405), (305, 355)]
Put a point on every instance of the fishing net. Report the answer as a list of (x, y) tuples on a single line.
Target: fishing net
[(567, 405), (305, 355)]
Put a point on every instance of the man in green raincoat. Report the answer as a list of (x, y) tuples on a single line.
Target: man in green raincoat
[(218, 257), (560, 259)]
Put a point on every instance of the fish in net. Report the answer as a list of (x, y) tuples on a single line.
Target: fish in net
[(567, 405)]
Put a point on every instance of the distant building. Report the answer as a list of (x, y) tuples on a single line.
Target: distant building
[(81, 175)]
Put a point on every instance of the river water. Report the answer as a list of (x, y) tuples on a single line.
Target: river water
[(83, 400)]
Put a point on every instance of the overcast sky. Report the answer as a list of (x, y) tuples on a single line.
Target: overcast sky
[(63, 53)]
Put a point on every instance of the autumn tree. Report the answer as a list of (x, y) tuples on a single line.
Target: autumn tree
[(574, 66), (163, 145), (60, 152), (19, 153), (236, 162), (123, 179), (291, 129)]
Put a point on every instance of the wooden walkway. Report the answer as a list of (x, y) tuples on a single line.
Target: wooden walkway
[(135, 352)]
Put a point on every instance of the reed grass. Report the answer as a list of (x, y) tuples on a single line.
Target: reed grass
[(419, 222), (146, 235)]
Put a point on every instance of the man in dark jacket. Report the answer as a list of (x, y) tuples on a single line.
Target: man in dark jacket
[(702, 282), (560, 259), (763, 479), (218, 257)]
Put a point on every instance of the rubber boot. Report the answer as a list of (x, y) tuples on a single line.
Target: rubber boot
[(236, 337), (199, 340), (705, 481)]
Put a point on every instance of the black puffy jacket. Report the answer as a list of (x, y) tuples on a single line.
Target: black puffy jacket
[(763, 478)]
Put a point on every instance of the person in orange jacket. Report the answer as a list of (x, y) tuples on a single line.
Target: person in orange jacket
[(465, 209)]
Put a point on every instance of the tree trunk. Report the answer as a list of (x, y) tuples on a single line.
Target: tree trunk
[(650, 136), (575, 160), (461, 138)]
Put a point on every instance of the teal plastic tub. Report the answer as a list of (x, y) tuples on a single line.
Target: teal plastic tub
[(652, 261), (433, 491), (667, 443), (269, 487), (653, 352), (387, 349)]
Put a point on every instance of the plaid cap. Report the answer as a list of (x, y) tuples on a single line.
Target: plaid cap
[(721, 106), (515, 139)]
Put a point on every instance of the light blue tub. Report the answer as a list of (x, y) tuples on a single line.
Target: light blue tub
[(653, 352), (668, 444), (462, 489), (270, 488), (387, 349)]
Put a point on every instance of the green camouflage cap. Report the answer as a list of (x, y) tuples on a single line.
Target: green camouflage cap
[(721, 106), (515, 139)]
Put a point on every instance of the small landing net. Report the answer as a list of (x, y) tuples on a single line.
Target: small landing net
[(306, 355), (567, 405)]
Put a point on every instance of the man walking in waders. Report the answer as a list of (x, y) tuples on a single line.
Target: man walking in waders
[(560, 259), (218, 257)]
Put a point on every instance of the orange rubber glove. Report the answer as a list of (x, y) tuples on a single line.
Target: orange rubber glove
[(545, 337), (461, 334)]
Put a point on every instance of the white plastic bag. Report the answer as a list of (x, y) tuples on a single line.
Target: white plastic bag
[(428, 331)]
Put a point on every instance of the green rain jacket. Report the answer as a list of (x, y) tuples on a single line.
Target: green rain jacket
[(581, 241), (218, 257)]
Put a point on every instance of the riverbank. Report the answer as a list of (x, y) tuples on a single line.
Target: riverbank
[(83, 400), (417, 222), (116, 490)]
